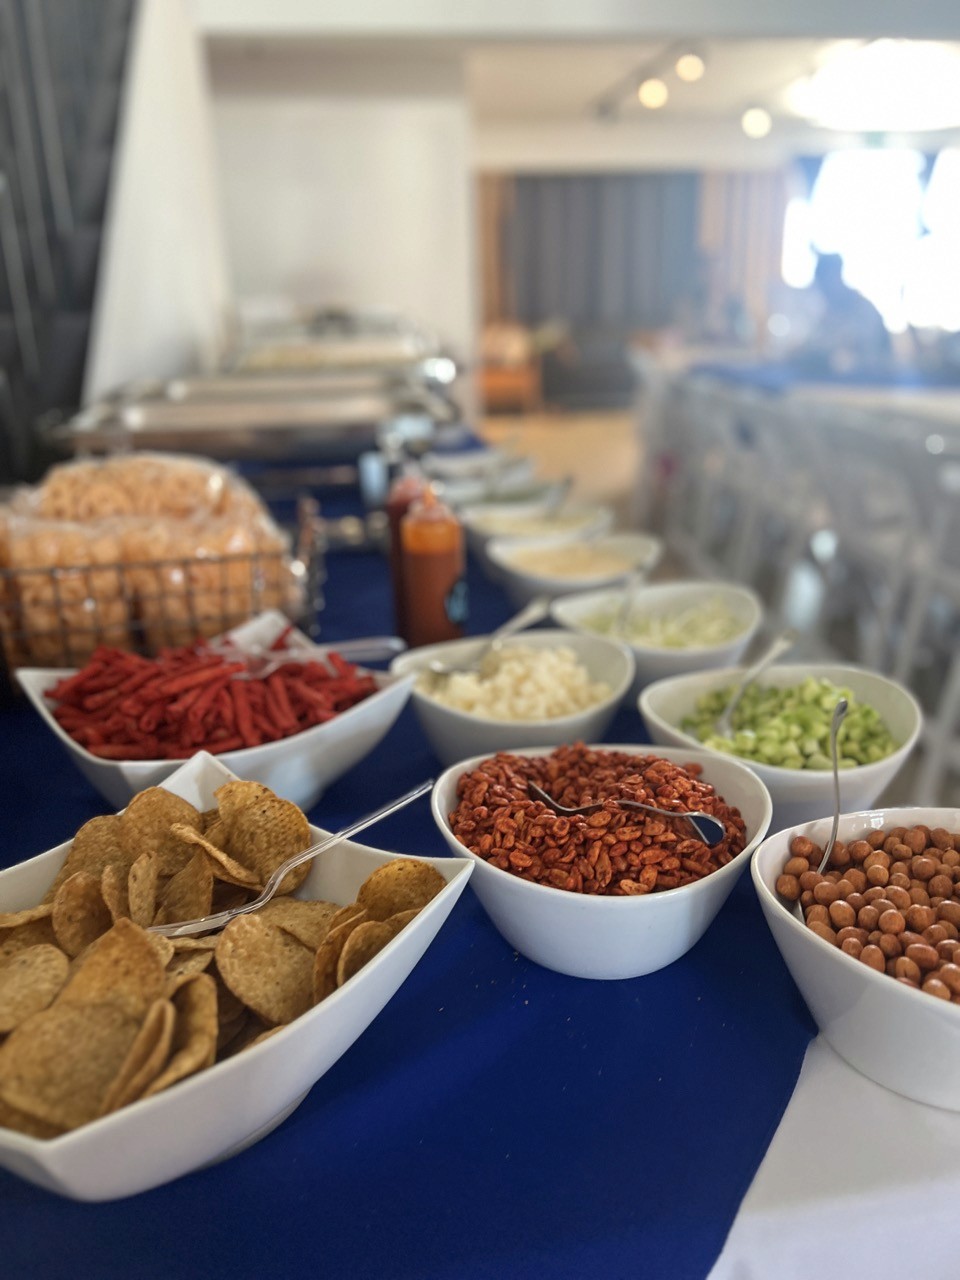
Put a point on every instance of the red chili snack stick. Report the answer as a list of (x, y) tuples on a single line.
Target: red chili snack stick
[(123, 706)]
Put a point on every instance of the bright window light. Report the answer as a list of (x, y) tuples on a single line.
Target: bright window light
[(886, 86), (900, 244)]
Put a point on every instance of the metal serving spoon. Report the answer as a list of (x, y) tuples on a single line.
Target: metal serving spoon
[(538, 608), (839, 711), (211, 924), (262, 661), (710, 829), (779, 644)]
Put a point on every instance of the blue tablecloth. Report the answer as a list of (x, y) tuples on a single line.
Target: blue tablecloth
[(497, 1120)]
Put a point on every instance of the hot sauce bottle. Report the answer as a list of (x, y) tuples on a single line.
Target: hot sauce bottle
[(433, 563), (406, 489)]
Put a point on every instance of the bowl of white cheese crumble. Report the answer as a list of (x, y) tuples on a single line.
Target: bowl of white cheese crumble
[(541, 688)]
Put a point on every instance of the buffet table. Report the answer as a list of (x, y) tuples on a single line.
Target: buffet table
[(496, 1120)]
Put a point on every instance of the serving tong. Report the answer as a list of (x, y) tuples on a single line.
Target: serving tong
[(708, 828), (839, 711), (261, 661), (214, 923), (780, 643)]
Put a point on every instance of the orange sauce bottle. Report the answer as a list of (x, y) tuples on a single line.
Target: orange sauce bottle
[(408, 488), (433, 563)]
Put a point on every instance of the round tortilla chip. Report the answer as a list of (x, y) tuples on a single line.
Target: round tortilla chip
[(123, 967), (307, 920), (80, 914), (403, 884), (99, 843), (113, 886), (31, 933), (223, 866), (20, 1122), (263, 831), (145, 1060), (362, 945), (266, 968), (147, 827), (188, 894), (142, 889), (194, 1033), (29, 982), (328, 955), (58, 1065)]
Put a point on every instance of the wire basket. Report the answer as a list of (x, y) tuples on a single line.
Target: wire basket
[(56, 616)]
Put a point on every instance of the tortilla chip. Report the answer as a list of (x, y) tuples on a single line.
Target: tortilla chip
[(194, 1033), (405, 884), (29, 982), (362, 945), (145, 1060), (80, 914), (266, 968), (99, 843), (188, 894), (147, 826), (306, 920)]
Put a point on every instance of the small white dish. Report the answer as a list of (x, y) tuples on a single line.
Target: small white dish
[(591, 936), (299, 768), (666, 599), (455, 734), (903, 1039), (798, 794), (522, 520), (225, 1108), (514, 561)]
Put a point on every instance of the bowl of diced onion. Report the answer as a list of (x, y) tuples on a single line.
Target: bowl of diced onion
[(672, 627), (540, 688), (781, 729)]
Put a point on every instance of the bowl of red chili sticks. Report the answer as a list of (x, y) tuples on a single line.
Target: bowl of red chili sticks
[(129, 721)]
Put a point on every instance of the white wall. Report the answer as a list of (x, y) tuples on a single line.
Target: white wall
[(161, 299), (347, 181)]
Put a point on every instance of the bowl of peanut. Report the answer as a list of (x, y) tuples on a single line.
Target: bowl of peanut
[(614, 892), (877, 959)]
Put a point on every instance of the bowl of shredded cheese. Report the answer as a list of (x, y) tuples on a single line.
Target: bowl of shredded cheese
[(671, 627), (535, 689)]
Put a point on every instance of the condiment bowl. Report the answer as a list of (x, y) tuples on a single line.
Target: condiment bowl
[(223, 1109), (493, 520), (593, 936), (455, 734), (531, 567), (299, 768), (901, 1038), (798, 794), (599, 612)]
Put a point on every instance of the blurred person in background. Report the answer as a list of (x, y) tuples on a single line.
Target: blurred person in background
[(848, 333)]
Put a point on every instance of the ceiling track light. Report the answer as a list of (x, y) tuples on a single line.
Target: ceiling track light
[(756, 122), (690, 67), (653, 93)]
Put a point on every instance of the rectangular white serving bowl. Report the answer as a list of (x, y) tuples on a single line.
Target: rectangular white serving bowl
[(903, 1039), (299, 768), (220, 1111)]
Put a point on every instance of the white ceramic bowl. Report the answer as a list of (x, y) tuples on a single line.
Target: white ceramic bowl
[(590, 936), (299, 768), (904, 1040), (798, 794), (640, 550), (455, 734), (523, 520), (666, 599), (224, 1109), (478, 474)]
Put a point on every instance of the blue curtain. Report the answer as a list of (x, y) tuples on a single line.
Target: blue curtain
[(610, 251)]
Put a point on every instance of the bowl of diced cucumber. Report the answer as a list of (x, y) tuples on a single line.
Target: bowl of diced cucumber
[(781, 729)]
